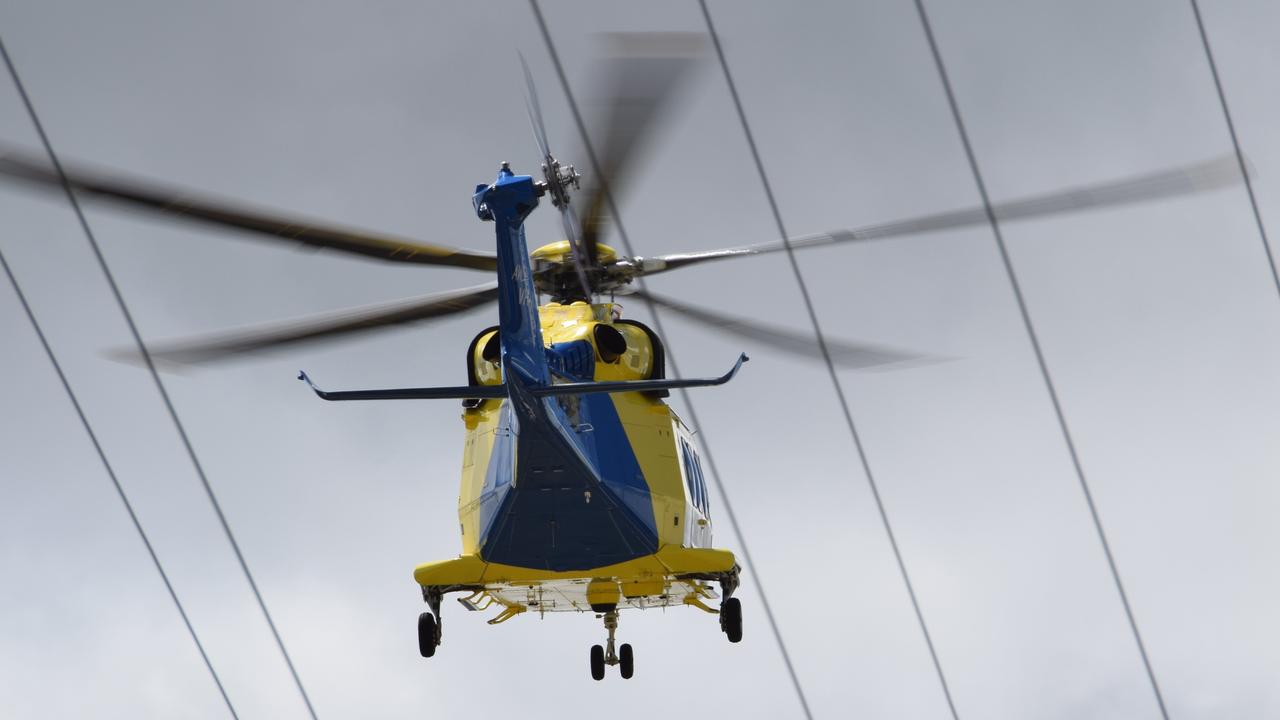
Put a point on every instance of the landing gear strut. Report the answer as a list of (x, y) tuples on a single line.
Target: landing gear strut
[(429, 623), (622, 656)]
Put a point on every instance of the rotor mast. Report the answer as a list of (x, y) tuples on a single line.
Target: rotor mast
[(557, 280)]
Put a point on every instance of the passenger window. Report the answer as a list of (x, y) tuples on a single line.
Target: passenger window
[(703, 502), (691, 476)]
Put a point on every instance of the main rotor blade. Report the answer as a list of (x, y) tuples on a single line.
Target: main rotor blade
[(179, 205), (1201, 177), (315, 328), (550, 169), (636, 83), (843, 353), (534, 109)]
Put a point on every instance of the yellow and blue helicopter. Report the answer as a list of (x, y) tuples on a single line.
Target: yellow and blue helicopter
[(582, 491)]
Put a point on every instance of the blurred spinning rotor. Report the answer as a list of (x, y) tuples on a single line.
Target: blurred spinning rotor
[(637, 81)]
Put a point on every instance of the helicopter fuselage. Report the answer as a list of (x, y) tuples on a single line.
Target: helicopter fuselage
[(581, 489), (578, 482)]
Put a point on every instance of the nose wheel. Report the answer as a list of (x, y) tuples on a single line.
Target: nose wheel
[(623, 656), (626, 661)]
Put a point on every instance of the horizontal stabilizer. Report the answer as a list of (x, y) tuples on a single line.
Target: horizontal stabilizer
[(500, 391), (433, 393)]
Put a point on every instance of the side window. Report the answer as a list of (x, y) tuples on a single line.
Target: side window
[(697, 482), (690, 475), (703, 502)]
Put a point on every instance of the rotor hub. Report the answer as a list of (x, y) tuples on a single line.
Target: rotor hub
[(558, 179)]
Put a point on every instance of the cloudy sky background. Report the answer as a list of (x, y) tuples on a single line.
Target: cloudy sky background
[(1160, 323)]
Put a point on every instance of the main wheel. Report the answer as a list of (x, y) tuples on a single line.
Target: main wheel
[(597, 662), (427, 634), (626, 661), (731, 619)]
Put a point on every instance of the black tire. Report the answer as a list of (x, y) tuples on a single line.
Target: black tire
[(597, 662), (626, 661), (731, 619), (427, 634)]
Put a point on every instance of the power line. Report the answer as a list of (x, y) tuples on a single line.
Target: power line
[(1235, 142), (155, 376), (826, 357), (684, 394), (1035, 346), (111, 473)]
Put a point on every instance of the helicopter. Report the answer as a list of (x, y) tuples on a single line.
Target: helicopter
[(582, 490)]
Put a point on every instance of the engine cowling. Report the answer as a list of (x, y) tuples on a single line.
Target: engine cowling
[(624, 350)]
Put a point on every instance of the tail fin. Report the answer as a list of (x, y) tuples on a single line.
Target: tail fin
[(507, 202)]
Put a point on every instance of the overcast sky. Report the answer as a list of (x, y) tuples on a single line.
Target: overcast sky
[(1160, 323)]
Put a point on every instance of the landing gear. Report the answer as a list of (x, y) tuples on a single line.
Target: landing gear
[(730, 608), (429, 623), (624, 657), (428, 634), (597, 662), (626, 661), (731, 619)]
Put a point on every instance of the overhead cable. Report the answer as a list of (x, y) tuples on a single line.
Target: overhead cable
[(106, 465), (111, 474), (1039, 353), (155, 375), (826, 357), (684, 394), (1235, 142)]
